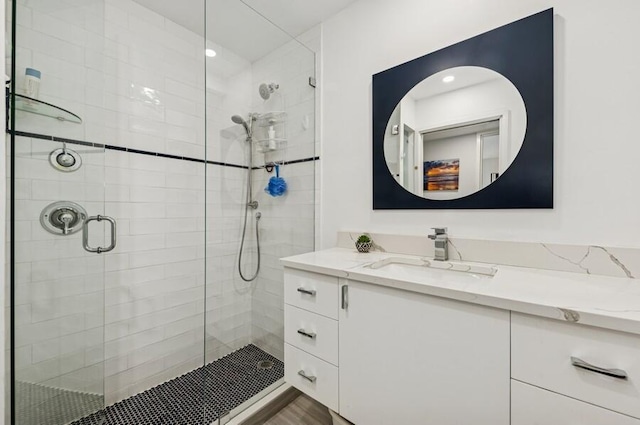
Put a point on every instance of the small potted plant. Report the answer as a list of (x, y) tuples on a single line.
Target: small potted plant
[(364, 242)]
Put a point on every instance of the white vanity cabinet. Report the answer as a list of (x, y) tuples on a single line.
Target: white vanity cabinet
[(534, 406), (386, 356), (413, 359), (311, 334), (581, 367), (379, 355)]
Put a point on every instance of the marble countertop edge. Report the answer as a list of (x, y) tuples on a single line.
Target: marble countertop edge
[(605, 302)]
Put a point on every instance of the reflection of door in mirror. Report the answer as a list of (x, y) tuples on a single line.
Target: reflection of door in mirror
[(455, 158), (408, 153), (489, 144)]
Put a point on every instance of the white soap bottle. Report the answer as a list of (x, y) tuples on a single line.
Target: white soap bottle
[(272, 138)]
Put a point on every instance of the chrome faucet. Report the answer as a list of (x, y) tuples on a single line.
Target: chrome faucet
[(441, 251)]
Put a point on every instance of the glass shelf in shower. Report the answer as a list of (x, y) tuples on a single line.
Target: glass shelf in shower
[(38, 107), (266, 145), (271, 118)]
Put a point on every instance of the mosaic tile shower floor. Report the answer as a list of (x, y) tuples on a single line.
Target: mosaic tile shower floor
[(39, 404), (198, 397)]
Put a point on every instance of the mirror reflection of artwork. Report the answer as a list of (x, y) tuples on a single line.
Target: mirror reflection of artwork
[(442, 174)]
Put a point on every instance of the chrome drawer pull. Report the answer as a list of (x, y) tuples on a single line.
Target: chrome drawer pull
[(307, 334), (345, 297), (307, 291), (307, 377), (614, 373)]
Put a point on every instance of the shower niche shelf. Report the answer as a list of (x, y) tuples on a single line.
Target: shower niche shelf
[(271, 131), (38, 107)]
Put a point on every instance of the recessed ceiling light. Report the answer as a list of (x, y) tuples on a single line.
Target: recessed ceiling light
[(210, 53), (448, 79)]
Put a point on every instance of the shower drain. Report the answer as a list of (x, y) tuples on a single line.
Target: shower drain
[(265, 364)]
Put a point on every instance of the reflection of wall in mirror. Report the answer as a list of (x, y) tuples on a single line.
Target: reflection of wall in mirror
[(494, 95), (392, 145)]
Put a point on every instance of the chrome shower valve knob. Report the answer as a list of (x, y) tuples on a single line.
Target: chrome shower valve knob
[(63, 218)]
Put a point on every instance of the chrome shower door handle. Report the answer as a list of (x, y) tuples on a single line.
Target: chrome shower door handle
[(85, 234)]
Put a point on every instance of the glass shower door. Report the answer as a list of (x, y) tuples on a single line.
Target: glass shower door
[(60, 236)]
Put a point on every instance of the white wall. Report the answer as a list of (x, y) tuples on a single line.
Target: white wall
[(595, 149)]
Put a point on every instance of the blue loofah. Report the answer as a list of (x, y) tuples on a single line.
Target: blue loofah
[(277, 186)]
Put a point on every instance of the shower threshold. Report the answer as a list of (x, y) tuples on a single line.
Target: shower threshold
[(199, 397)]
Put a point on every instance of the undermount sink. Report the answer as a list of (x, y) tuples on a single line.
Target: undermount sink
[(401, 263)]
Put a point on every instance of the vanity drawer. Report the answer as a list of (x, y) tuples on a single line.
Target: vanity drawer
[(315, 334), (310, 291), (534, 406), (322, 378), (542, 351)]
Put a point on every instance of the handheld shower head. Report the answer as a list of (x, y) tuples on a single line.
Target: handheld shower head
[(239, 120)]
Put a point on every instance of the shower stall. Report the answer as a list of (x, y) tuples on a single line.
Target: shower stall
[(144, 280)]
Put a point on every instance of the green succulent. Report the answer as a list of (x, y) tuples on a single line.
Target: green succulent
[(363, 239)]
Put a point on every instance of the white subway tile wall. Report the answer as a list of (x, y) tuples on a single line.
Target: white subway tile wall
[(228, 298), (136, 78), (59, 296), (154, 314), (169, 297), (288, 222), (287, 228)]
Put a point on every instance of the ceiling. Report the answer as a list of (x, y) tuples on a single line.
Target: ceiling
[(235, 25), (297, 16)]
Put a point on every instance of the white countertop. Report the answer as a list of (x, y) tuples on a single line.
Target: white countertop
[(607, 302)]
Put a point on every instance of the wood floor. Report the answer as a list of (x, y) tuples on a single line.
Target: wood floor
[(301, 411)]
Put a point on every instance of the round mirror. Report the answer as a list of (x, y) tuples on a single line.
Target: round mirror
[(455, 133)]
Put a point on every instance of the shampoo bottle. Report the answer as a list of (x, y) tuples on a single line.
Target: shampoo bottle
[(272, 138), (32, 83)]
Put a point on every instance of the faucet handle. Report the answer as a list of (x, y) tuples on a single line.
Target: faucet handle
[(439, 230)]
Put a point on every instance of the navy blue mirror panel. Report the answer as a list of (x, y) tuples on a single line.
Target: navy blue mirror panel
[(522, 52)]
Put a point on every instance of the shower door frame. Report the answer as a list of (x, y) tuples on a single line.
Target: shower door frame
[(12, 216)]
